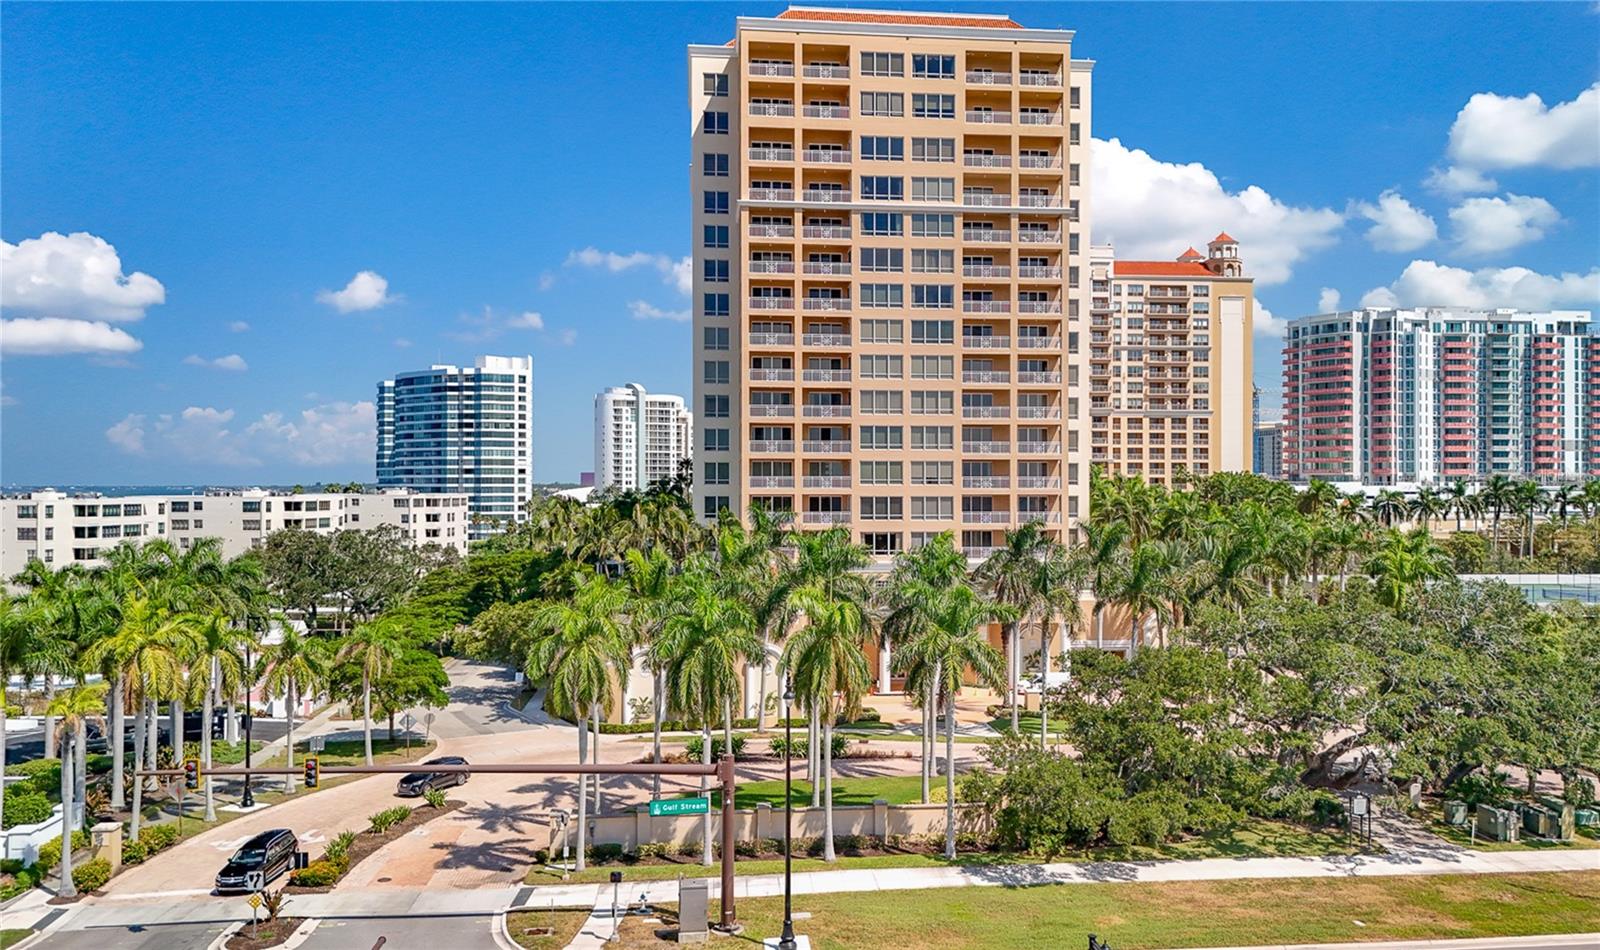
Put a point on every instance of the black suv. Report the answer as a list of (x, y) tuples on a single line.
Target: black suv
[(270, 852), (413, 784)]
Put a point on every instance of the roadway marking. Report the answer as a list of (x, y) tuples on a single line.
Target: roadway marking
[(146, 895)]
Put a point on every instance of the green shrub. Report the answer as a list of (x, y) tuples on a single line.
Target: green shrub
[(839, 746), (1476, 790), (133, 852), (604, 853), (99, 764), (339, 847), (696, 747), (50, 851), (388, 818), (1578, 793), (157, 838), (654, 850), (849, 843), (43, 775), (92, 875), (434, 797), (28, 807), (22, 879), (321, 873)]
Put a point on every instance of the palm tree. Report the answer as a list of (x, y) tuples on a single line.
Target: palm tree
[(1429, 505), (1318, 496), (1402, 561), (1011, 576), (373, 648), (1102, 553), (648, 580), (1528, 498), (703, 645), (1059, 584), (950, 646), (216, 667), (1142, 585), (1497, 496), (28, 646), (1459, 497), (579, 648), (295, 665), (73, 709), (1389, 506), (824, 660)]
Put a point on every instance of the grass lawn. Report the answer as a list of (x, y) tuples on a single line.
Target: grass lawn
[(1027, 724), (895, 789), (565, 923), (1255, 839), (1462, 835), (1189, 914), (352, 752), (10, 938)]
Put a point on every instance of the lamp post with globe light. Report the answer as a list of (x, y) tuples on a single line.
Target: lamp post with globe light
[(787, 941)]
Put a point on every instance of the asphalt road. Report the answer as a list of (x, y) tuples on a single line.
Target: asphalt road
[(175, 936), (403, 933)]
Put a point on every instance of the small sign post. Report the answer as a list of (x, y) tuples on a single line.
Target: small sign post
[(662, 807), (254, 881), (406, 722), (255, 903)]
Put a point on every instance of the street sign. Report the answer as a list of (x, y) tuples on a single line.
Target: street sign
[(679, 806), (318, 743), (254, 881), (407, 721), (255, 901)]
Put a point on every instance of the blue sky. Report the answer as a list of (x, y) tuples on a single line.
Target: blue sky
[(254, 160)]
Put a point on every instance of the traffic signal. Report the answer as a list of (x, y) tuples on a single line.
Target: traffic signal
[(191, 774), (312, 771)]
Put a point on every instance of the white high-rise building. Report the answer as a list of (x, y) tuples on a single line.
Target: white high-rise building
[(639, 437), (462, 429)]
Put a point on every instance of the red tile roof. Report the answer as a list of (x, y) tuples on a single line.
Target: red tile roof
[(909, 19), (1160, 269), (1223, 238), (1191, 255)]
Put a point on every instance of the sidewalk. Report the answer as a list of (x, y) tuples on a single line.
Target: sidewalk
[(1475, 943)]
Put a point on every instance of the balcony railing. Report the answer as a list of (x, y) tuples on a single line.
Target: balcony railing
[(827, 71), (1039, 201), (772, 339), (1038, 343), (1038, 481), (1039, 237), (1048, 517), (827, 112), (772, 375), (827, 156), (985, 481), (826, 481), (772, 481), (827, 376), (1039, 448), (1038, 412), (1038, 272), (772, 69), (771, 303), (771, 231), (826, 339), (825, 517), (772, 194), (986, 517), (988, 117), (985, 306), (985, 376), (827, 303), (1039, 118), (771, 445), (977, 552), (985, 412), (1034, 377), (986, 342), (1039, 79), (986, 235), (824, 268), (982, 200), (1039, 161), (826, 447), (826, 195), (772, 154), (980, 271), (771, 267), (770, 412), (978, 160), (986, 448), (1038, 306), (985, 77), (824, 232), (828, 412), (772, 108)]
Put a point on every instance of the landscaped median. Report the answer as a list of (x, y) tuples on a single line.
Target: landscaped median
[(1148, 916), (348, 848)]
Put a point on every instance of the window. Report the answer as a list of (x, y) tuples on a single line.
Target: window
[(715, 305), (881, 508), (933, 150), (1072, 173), (933, 473), (928, 106), (932, 402), (932, 508), (714, 165), (882, 259), (716, 407), (933, 296), (716, 202), (714, 84), (883, 103), (716, 371), (715, 505), (716, 123), (882, 224), (933, 367), (883, 64), (933, 225), (879, 296), (926, 261), (881, 542), (716, 235), (716, 473), (881, 367), (716, 338), (882, 148), (716, 440), (880, 402), (933, 189), (933, 331), (933, 437), (881, 473), (929, 66), (1073, 134), (882, 188), (715, 272), (1075, 97), (882, 437), (881, 331)]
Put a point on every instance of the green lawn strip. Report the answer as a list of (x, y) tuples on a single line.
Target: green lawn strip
[(565, 923), (1027, 724), (895, 789), (1462, 835), (1255, 839), (352, 752), (10, 938), (1193, 914)]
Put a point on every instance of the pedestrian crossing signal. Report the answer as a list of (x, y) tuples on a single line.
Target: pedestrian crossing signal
[(313, 770), (191, 774)]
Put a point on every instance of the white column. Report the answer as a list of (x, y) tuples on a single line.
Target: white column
[(883, 666)]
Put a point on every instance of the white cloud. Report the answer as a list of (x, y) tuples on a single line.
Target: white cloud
[(367, 290), (73, 275), (1455, 180), (1328, 300), (1494, 131), (547, 280), (675, 272), (1150, 209), (1398, 225), (401, 342), (1430, 284), (239, 326), (57, 336), (1487, 225), (1266, 323), (527, 320), (232, 361), (567, 337), (643, 310), (328, 434)]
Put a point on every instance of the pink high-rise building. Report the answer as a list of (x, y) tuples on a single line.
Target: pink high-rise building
[(1427, 396)]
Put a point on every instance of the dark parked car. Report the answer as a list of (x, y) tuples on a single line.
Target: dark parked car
[(270, 852), (413, 784)]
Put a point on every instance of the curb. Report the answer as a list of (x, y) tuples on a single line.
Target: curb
[(1454, 943), (301, 934)]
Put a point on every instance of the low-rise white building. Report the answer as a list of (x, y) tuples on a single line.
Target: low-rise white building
[(60, 528)]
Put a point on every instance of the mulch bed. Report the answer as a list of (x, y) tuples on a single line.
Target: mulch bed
[(367, 843), (268, 933)]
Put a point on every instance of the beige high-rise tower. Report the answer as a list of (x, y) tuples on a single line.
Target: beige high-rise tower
[(891, 280)]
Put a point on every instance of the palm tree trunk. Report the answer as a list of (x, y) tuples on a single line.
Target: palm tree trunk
[(152, 738), (927, 741), (597, 759), (230, 721), (827, 778), (933, 709), (727, 725), (118, 793), (705, 789), (80, 771), (49, 719), (288, 779), (3, 743), (950, 775), (176, 712), (207, 709), (1044, 682), (67, 887), (660, 700), (814, 755), (366, 714), (1013, 658), (580, 860), (761, 691)]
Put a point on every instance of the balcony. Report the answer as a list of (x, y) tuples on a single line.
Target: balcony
[(827, 376), (985, 77), (1038, 412), (986, 376), (986, 448), (985, 412), (772, 339), (1038, 481), (1038, 272), (982, 200), (1048, 80), (772, 194), (1038, 118), (771, 445), (826, 481), (826, 156), (827, 112), (1038, 306), (827, 71), (779, 70), (825, 447), (1039, 237), (825, 517), (772, 376), (770, 412), (1038, 343), (770, 303), (986, 235), (826, 268), (773, 109), (826, 339), (982, 271), (825, 195), (772, 154), (772, 481), (985, 481), (1038, 378), (824, 232), (986, 517), (1039, 201), (1039, 448), (986, 342), (978, 160), (985, 306), (988, 117), (770, 267), (1046, 517), (827, 303), (771, 231), (977, 553), (1039, 161), (827, 412)]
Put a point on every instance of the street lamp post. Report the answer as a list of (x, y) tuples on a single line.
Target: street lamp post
[(787, 941), (247, 800)]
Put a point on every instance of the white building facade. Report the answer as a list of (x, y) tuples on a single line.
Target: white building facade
[(639, 437), (451, 429)]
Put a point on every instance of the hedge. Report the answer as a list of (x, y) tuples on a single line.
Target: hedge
[(50, 851), (319, 873), (678, 725), (29, 807), (696, 747), (92, 875)]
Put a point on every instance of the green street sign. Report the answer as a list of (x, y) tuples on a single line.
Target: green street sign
[(679, 806)]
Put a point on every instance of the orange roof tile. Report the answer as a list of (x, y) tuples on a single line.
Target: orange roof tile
[(1223, 238), (1160, 269), (1191, 255), (909, 19)]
